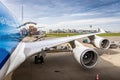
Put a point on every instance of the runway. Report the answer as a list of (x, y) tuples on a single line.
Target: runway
[(62, 66)]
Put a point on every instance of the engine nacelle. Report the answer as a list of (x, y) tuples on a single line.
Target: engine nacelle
[(102, 43), (87, 57), (99, 42)]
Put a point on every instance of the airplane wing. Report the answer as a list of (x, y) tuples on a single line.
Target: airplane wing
[(33, 47), (27, 49)]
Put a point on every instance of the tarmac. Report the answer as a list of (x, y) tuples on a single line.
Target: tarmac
[(62, 66)]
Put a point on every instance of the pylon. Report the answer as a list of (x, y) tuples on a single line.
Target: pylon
[(97, 77)]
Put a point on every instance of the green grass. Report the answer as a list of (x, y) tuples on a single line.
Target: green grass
[(73, 34), (61, 34), (109, 34)]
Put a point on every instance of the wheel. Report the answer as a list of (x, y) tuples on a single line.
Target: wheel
[(36, 59), (41, 59)]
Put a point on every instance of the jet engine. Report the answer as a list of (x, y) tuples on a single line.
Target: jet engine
[(100, 42), (87, 57)]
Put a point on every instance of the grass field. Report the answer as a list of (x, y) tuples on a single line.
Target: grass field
[(109, 34), (61, 34), (73, 34)]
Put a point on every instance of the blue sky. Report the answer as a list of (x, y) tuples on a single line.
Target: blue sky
[(72, 14)]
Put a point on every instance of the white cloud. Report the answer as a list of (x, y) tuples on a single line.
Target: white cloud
[(93, 21), (84, 14), (59, 13)]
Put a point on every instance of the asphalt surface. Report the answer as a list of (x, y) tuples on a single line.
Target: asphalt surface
[(62, 66)]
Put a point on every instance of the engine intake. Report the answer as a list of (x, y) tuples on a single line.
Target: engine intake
[(99, 42), (102, 43), (87, 57)]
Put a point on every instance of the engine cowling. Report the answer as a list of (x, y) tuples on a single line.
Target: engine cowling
[(87, 57), (102, 43)]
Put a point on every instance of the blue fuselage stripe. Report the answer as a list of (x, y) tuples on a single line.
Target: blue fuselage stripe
[(9, 34), (4, 60)]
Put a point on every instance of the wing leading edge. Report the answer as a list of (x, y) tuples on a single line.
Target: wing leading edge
[(34, 47)]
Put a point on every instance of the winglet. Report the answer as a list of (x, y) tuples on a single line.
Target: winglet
[(101, 30)]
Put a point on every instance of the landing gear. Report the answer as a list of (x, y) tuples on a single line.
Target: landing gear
[(39, 59)]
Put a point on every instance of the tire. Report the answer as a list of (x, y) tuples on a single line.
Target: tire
[(36, 59), (41, 60)]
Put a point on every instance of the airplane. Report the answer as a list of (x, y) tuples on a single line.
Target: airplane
[(13, 52)]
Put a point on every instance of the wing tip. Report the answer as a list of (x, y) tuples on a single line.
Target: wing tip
[(101, 30)]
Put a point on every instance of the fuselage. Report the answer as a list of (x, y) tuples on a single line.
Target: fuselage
[(9, 38)]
